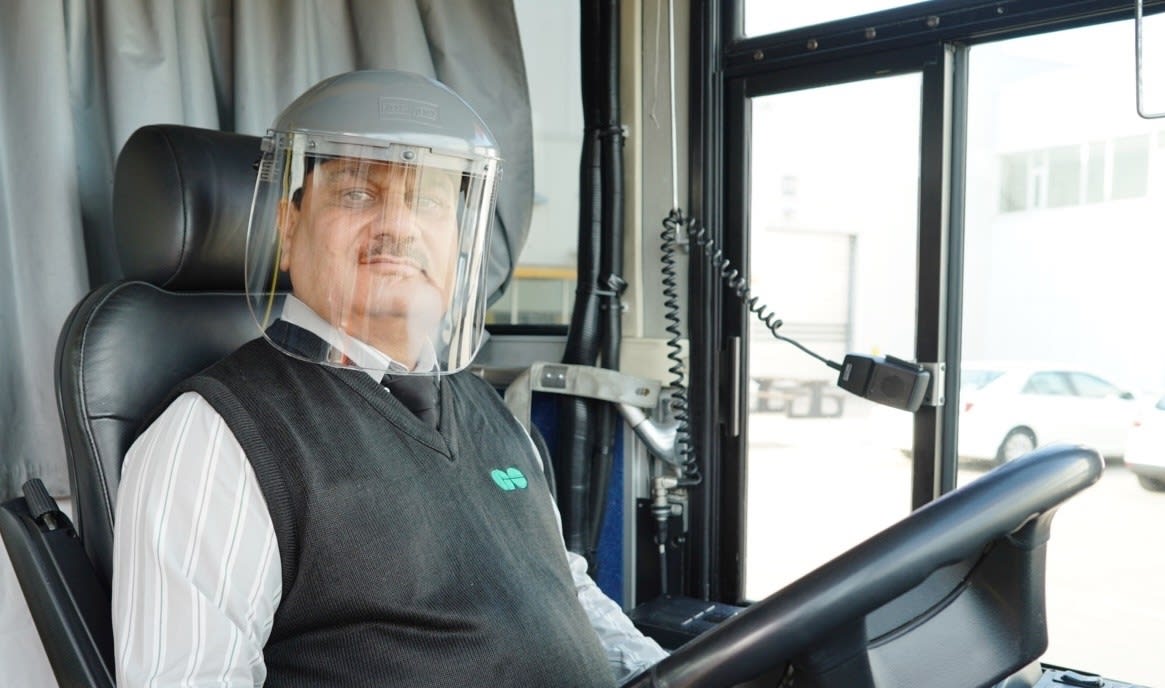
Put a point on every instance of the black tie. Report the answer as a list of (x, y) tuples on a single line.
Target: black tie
[(417, 392)]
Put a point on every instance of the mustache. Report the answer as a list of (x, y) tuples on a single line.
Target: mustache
[(383, 246)]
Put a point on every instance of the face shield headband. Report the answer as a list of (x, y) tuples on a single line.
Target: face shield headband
[(384, 247)]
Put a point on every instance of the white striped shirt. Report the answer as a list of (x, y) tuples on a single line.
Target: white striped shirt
[(197, 575)]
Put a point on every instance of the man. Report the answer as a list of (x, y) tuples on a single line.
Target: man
[(334, 504)]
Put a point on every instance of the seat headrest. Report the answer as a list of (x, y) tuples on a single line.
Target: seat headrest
[(181, 202)]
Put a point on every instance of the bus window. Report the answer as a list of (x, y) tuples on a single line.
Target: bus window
[(766, 16), (832, 243), (1064, 200)]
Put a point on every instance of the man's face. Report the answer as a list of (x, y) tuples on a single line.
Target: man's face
[(372, 247)]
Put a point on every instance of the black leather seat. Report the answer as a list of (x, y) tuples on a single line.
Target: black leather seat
[(181, 201)]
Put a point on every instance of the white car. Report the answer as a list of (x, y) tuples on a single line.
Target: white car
[(1145, 454), (1008, 409)]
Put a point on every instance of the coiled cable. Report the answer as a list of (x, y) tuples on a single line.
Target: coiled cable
[(739, 285), (672, 225)]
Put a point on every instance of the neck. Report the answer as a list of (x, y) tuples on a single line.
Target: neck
[(397, 338), (393, 337)]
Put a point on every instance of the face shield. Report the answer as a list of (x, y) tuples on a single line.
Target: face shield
[(374, 200), (384, 242)]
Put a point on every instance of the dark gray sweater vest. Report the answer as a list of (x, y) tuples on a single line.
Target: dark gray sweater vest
[(411, 556)]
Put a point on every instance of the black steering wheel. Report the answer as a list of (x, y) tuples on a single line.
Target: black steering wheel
[(970, 563)]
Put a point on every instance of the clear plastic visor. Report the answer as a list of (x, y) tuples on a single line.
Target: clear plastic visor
[(384, 248)]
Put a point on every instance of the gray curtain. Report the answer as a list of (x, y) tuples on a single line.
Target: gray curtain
[(77, 77)]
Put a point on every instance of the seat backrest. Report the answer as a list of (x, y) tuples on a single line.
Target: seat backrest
[(182, 198)]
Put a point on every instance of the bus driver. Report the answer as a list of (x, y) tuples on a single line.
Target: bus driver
[(336, 503)]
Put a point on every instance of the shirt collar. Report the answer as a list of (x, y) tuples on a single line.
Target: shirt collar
[(362, 355)]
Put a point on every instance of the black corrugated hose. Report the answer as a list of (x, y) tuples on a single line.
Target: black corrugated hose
[(587, 428), (611, 259)]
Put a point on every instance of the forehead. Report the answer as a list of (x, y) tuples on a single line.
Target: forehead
[(338, 170)]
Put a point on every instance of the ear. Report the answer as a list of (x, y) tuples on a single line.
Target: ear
[(288, 220)]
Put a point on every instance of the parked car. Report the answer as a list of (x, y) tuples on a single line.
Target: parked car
[(1145, 453), (1008, 409)]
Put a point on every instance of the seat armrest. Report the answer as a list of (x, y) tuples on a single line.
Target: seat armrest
[(69, 605)]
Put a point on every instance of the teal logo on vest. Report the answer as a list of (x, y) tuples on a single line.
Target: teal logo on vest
[(509, 479)]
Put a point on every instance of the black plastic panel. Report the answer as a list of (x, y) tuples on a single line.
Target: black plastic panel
[(69, 605)]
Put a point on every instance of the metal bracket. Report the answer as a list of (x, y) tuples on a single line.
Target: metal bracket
[(936, 390), (629, 394), (578, 381)]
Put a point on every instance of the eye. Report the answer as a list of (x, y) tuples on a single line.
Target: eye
[(357, 197), (431, 202), (433, 196)]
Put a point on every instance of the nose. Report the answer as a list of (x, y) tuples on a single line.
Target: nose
[(396, 217)]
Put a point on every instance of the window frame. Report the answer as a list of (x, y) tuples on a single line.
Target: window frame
[(728, 69)]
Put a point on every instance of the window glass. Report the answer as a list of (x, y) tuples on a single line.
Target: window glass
[(1013, 193), (977, 379), (766, 16), (1130, 167), (1071, 281), (833, 245), (1064, 176), (1094, 190), (542, 289), (1047, 384), (1092, 386)]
